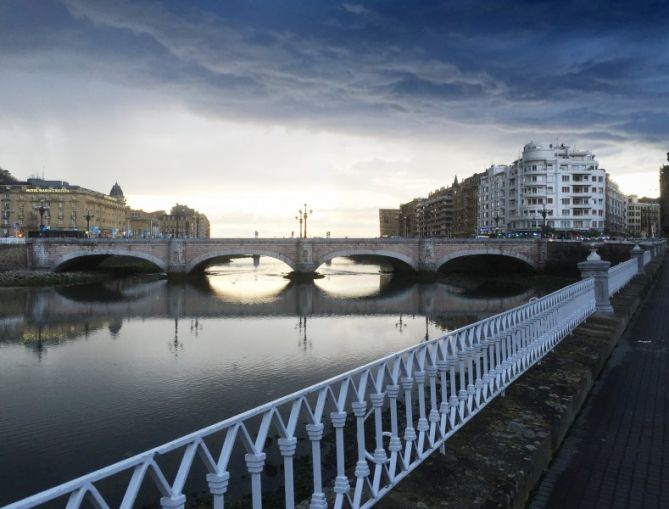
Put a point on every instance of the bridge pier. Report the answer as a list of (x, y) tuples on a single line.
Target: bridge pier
[(176, 253)]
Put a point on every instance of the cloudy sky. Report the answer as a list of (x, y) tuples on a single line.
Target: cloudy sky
[(246, 109)]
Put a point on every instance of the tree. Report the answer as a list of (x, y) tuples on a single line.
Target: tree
[(6, 177)]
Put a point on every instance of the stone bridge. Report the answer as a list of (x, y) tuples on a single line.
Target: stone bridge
[(301, 255)]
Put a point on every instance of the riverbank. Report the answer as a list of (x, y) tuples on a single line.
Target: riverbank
[(14, 278), (498, 458), (22, 278)]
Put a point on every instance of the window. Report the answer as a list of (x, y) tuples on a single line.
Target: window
[(565, 189), (565, 201), (565, 178)]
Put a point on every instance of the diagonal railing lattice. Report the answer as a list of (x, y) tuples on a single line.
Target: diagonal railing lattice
[(363, 430)]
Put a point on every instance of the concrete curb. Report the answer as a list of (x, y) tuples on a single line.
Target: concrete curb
[(498, 458)]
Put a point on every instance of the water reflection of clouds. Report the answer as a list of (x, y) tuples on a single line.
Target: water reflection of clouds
[(241, 281), (345, 278)]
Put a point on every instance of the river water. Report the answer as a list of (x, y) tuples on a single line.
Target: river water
[(91, 374)]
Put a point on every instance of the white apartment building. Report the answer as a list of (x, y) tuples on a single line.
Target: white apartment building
[(563, 183), (552, 185)]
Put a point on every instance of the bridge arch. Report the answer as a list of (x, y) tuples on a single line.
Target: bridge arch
[(485, 252), (247, 251), (368, 252), (82, 254)]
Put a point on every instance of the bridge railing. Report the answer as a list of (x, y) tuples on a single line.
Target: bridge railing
[(621, 274), (363, 430), (12, 240)]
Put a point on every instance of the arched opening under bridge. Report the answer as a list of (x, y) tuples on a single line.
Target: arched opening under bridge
[(388, 261), (200, 264), (486, 263), (359, 275), (110, 261)]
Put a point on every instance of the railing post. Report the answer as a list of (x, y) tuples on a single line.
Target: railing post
[(637, 253), (288, 446), (218, 486), (598, 269), (315, 433)]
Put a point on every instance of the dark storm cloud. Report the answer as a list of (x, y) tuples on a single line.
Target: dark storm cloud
[(587, 67)]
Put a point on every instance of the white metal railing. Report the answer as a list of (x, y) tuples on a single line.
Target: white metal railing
[(619, 275), (646, 257), (404, 406)]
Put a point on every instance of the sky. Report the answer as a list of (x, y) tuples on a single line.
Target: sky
[(248, 109)]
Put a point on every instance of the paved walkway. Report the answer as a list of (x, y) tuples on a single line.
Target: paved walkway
[(617, 453)]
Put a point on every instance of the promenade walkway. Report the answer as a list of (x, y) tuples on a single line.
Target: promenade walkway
[(617, 453)]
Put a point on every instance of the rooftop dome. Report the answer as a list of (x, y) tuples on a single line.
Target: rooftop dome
[(116, 191)]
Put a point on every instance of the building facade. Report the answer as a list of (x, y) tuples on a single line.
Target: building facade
[(412, 218), (389, 222), (643, 217), (492, 200), (184, 222), (615, 214), (551, 189), (145, 224), (438, 213), (466, 206), (557, 189), (664, 198), (39, 204)]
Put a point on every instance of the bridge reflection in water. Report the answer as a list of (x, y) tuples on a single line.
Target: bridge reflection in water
[(172, 357), (275, 296)]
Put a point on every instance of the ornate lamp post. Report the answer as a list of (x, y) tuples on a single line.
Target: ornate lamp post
[(88, 218), (497, 223), (298, 217), (41, 209), (543, 213), (303, 215)]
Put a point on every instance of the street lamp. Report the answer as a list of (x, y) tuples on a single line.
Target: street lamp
[(304, 214), (41, 209), (298, 217), (543, 213), (497, 223), (88, 218)]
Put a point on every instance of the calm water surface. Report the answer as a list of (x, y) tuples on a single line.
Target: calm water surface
[(92, 374)]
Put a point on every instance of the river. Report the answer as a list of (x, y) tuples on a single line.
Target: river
[(91, 374)]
